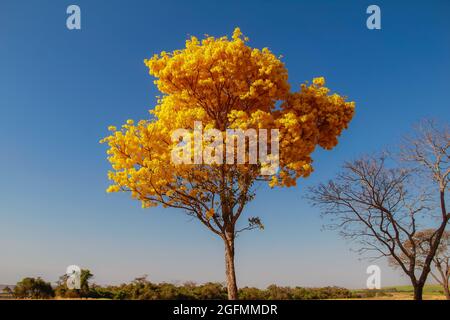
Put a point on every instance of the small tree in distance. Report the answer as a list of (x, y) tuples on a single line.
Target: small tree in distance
[(7, 290), (33, 288), (83, 292), (442, 264), (224, 84), (441, 261)]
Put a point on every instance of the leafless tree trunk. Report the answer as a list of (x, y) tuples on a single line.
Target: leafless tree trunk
[(442, 264), (418, 291), (443, 279), (446, 291)]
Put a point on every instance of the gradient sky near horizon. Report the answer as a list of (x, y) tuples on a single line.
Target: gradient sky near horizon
[(61, 89)]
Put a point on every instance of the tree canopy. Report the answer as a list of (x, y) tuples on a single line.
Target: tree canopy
[(224, 84)]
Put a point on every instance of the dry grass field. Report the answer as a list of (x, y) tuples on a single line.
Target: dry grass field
[(430, 292)]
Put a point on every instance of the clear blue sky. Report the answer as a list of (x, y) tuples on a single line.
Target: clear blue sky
[(60, 89)]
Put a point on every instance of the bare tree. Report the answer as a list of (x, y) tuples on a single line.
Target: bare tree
[(382, 204)]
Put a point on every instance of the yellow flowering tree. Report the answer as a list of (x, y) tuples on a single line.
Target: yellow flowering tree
[(224, 84)]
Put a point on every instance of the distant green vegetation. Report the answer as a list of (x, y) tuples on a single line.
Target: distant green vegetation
[(142, 289), (32, 288)]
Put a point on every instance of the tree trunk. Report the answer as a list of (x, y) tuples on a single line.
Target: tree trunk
[(418, 290), (446, 290), (229, 268)]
